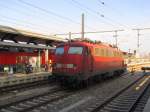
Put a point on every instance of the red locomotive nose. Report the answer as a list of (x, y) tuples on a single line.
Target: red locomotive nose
[(68, 60)]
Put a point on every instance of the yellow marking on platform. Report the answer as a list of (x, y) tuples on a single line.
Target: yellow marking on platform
[(142, 83), (137, 88)]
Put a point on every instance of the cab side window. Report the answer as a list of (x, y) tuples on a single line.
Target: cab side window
[(96, 51)]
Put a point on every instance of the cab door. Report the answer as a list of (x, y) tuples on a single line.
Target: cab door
[(88, 62)]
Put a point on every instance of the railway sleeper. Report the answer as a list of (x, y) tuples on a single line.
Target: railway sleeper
[(24, 105), (127, 95), (5, 110), (115, 109), (118, 106), (36, 110), (13, 109), (128, 99), (43, 99), (31, 103), (125, 100), (39, 101), (104, 110), (16, 108), (121, 104)]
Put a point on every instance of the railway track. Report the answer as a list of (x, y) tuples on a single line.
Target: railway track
[(25, 86), (35, 101), (57, 99), (139, 107), (42, 97), (126, 99), (89, 99), (81, 100)]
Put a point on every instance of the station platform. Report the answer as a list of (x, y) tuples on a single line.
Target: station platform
[(147, 106), (14, 79)]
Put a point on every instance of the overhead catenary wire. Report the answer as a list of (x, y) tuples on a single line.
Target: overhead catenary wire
[(26, 22), (30, 15), (104, 4), (48, 11), (51, 13), (86, 11), (93, 12), (14, 23), (109, 20), (75, 5), (111, 8), (19, 25)]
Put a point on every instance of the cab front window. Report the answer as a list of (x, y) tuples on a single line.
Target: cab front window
[(75, 50), (59, 51)]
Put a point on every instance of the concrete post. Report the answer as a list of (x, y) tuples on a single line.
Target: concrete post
[(46, 56), (39, 60), (46, 60)]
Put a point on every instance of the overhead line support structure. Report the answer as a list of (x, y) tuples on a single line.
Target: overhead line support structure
[(89, 32), (115, 31), (116, 36), (82, 27), (138, 35)]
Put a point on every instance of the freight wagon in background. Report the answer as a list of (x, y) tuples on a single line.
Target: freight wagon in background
[(17, 60)]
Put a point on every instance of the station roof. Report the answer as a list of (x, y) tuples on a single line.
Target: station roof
[(17, 35), (10, 44)]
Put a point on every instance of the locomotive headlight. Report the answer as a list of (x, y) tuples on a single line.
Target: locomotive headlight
[(70, 66), (58, 65)]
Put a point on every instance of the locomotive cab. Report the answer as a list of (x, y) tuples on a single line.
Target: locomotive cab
[(71, 62)]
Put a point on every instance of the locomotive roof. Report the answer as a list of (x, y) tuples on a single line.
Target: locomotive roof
[(82, 43)]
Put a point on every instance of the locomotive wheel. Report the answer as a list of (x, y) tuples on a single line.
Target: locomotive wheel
[(87, 82), (104, 76), (75, 84), (110, 74), (97, 78)]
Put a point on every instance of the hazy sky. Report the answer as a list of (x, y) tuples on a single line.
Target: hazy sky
[(61, 16)]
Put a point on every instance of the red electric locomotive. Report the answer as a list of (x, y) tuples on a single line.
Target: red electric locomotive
[(79, 61)]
